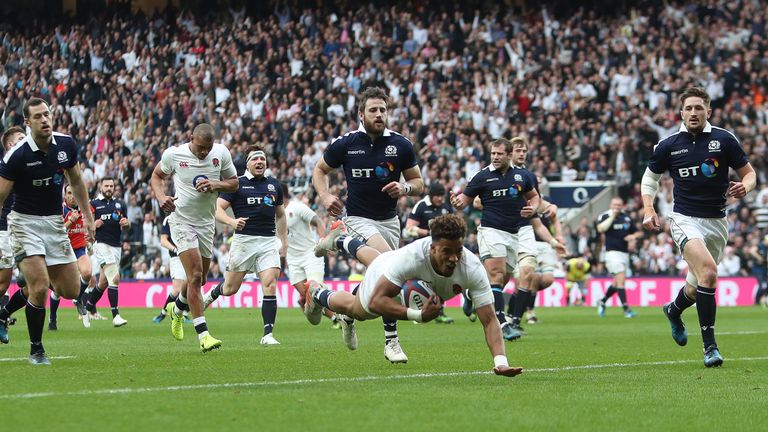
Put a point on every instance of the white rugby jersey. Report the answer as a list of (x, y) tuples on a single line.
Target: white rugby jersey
[(412, 262), (301, 236), (193, 207)]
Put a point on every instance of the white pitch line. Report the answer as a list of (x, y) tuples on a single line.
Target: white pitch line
[(25, 358), (751, 332), (129, 390)]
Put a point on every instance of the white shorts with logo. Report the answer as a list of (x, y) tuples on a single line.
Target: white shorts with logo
[(616, 262), (105, 254), (6, 262), (305, 267), (40, 235), (187, 236), (253, 254), (367, 228), (713, 231), (177, 269)]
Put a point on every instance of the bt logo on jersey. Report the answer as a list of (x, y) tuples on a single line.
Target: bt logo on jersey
[(708, 169)]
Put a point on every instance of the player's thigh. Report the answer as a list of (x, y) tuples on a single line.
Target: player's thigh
[(232, 282), (698, 257), (268, 280), (65, 279)]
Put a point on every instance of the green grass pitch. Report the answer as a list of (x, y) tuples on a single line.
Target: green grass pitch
[(582, 373)]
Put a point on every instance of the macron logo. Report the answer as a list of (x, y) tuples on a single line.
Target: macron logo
[(677, 152), (35, 163), (355, 152)]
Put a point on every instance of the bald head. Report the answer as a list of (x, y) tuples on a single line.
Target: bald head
[(202, 140), (203, 132)]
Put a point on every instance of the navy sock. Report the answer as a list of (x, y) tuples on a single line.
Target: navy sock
[(201, 327), (94, 298), (170, 299), (112, 295), (467, 307), (623, 297), (216, 291), (608, 294), (17, 301), (349, 244), (83, 287), (323, 297), (681, 303), (55, 300), (532, 301), (390, 329), (269, 313), (35, 322), (511, 303), (182, 306), (520, 304), (498, 302), (707, 308)]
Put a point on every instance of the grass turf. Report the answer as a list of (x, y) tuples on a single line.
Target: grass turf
[(582, 373)]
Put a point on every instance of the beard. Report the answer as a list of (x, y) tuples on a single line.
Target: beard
[(373, 127)]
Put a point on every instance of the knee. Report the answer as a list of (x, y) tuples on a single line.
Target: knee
[(545, 282), (196, 277), (707, 275)]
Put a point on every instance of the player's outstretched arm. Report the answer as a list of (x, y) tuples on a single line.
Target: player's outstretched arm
[(282, 228), (492, 332)]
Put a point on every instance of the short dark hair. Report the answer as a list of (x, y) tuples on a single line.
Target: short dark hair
[(372, 93), (35, 101), (107, 178), (436, 189), (10, 131), (449, 226), (502, 142), (695, 92)]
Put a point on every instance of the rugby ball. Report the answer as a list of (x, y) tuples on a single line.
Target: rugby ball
[(416, 293)]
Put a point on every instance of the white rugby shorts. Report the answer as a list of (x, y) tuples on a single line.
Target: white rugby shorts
[(367, 228), (177, 269), (253, 254), (105, 254), (305, 267), (187, 236), (40, 235), (616, 262), (6, 262), (713, 231)]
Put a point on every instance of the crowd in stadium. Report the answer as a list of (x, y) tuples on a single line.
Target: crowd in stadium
[(591, 91)]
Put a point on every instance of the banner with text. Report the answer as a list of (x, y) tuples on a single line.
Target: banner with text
[(640, 292)]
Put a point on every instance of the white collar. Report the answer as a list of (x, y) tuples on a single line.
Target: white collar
[(250, 176), (428, 201), (707, 128), (33, 144), (361, 128)]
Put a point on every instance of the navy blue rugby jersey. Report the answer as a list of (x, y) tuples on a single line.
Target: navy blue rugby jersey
[(256, 199), (166, 229), (547, 222), (614, 237), (502, 196), (110, 211), (699, 168), (368, 167), (38, 176), (424, 211), (6, 205)]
